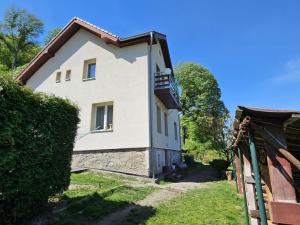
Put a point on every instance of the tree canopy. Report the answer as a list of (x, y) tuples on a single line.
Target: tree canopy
[(204, 114), (51, 34), (17, 37)]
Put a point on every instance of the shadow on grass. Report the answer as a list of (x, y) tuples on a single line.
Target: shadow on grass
[(197, 173), (139, 215), (86, 210)]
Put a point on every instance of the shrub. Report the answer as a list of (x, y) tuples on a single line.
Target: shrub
[(189, 159), (220, 164), (37, 134)]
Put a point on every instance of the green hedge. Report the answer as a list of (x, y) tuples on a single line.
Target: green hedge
[(37, 134)]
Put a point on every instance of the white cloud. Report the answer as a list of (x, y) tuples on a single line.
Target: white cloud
[(291, 73)]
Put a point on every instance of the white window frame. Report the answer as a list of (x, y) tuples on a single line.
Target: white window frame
[(68, 75), (58, 77), (86, 69), (105, 105)]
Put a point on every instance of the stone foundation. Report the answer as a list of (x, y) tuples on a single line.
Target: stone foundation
[(131, 161), (164, 157)]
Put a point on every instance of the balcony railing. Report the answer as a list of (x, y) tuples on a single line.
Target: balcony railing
[(167, 91)]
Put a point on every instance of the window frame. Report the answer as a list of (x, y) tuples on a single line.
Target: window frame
[(68, 75), (166, 124), (175, 131), (105, 116), (158, 119), (86, 66), (58, 77), (88, 74)]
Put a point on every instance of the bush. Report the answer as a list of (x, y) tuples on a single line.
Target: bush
[(189, 159), (220, 164), (37, 134)]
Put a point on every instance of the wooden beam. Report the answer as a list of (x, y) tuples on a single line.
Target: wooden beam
[(249, 180), (249, 183), (291, 120), (275, 142), (238, 173), (285, 213), (255, 214), (280, 170), (281, 177)]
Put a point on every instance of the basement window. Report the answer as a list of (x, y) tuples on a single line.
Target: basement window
[(58, 77), (102, 117), (68, 75)]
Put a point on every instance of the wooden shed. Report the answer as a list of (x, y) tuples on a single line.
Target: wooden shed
[(266, 148)]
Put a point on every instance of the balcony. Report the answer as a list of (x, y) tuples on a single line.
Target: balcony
[(166, 90)]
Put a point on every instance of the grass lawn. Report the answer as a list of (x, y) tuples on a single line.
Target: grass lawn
[(217, 204), (92, 196)]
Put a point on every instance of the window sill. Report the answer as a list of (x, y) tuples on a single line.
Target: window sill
[(101, 131), (88, 79)]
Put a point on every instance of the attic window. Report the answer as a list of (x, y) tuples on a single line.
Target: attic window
[(58, 77), (68, 75), (89, 69)]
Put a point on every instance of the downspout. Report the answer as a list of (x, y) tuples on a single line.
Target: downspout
[(150, 90), (261, 205), (243, 186)]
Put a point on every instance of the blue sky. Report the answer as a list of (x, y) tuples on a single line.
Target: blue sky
[(252, 47)]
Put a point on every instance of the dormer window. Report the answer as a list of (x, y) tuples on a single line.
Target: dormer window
[(89, 70)]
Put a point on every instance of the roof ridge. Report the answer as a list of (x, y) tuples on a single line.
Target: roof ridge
[(93, 25)]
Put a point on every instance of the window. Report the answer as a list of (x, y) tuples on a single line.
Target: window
[(158, 119), (89, 69), (58, 77), (68, 75), (103, 119), (157, 70), (175, 131), (166, 124)]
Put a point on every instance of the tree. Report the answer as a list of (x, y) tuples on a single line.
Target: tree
[(17, 33), (204, 114), (51, 34)]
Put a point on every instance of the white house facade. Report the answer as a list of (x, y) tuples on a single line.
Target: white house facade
[(126, 93)]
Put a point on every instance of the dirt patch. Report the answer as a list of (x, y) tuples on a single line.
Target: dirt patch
[(82, 186), (165, 193)]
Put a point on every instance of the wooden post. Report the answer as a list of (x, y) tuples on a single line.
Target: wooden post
[(238, 172), (249, 186), (243, 186)]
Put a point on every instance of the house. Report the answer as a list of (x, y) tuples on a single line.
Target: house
[(126, 91)]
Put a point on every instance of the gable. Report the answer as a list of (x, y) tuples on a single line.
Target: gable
[(73, 27)]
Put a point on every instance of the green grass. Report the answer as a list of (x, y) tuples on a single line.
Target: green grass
[(93, 196), (218, 204)]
